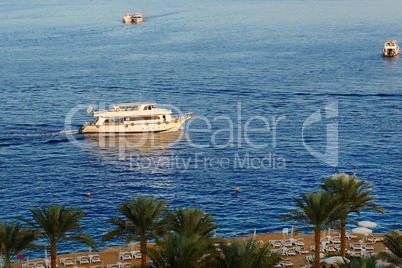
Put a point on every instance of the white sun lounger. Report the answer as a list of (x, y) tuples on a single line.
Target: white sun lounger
[(299, 242), (83, 259), (136, 254), (275, 243), (289, 252), (39, 264), (126, 256), (66, 261), (356, 246), (369, 246), (350, 236), (335, 240), (373, 239), (94, 258), (287, 263), (329, 249), (301, 250)]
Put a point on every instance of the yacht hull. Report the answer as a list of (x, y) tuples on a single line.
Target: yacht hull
[(134, 128)]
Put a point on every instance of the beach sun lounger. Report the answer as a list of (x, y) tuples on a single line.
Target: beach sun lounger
[(369, 246), (94, 258), (66, 261), (48, 264), (356, 246), (372, 238), (289, 252), (335, 240), (275, 243), (329, 249), (83, 259), (136, 254), (350, 236), (126, 256), (301, 250), (287, 263), (39, 264)]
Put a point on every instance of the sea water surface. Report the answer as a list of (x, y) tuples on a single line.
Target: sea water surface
[(273, 85)]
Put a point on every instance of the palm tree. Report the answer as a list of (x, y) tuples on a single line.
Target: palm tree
[(246, 254), (354, 195), (15, 239), (362, 262), (393, 241), (192, 221), (57, 224), (183, 251), (145, 218), (316, 212)]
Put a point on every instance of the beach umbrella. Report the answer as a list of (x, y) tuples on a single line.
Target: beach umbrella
[(291, 232), (361, 230), (255, 233), (45, 252), (336, 260), (368, 224), (215, 234), (90, 249)]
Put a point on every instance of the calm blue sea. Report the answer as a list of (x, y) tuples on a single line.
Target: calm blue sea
[(284, 93)]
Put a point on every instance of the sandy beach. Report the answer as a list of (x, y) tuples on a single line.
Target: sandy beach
[(110, 255)]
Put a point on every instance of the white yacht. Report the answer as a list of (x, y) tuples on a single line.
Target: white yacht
[(137, 18), (128, 18), (391, 49), (136, 117)]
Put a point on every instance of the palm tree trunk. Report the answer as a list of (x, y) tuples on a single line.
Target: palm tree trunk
[(7, 259), (343, 236), (143, 253), (317, 237), (53, 256)]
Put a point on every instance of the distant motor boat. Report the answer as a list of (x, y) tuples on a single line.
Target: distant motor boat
[(137, 18), (391, 49), (136, 117), (128, 18)]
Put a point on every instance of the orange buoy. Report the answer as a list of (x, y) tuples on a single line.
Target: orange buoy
[(192, 117), (88, 194), (237, 190)]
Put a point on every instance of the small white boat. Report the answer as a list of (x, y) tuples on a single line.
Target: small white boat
[(128, 18), (136, 117), (391, 49), (137, 18)]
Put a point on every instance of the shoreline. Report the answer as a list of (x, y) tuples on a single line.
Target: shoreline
[(110, 255)]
